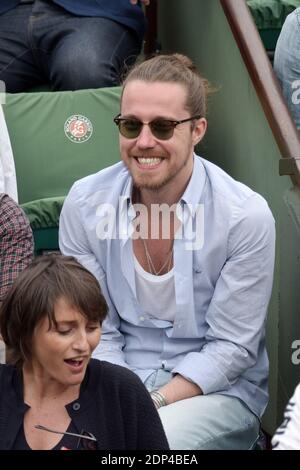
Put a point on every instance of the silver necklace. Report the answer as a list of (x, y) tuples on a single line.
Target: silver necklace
[(151, 267)]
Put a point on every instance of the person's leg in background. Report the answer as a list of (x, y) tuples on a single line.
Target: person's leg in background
[(82, 52), (287, 63), (18, 67), (207, 422), (43, 43), (94, 53)]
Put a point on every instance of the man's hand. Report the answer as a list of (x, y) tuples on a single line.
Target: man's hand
[(145, 2)]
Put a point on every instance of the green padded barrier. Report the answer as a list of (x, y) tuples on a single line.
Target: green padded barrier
[(269, 37), (44, 213), (59, 137), (45, 241)]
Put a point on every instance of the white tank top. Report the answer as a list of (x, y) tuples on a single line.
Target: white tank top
[(155, 294)]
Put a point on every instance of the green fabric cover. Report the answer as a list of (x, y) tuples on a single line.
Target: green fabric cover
[(47, 161), (271, 13), (44, 213)]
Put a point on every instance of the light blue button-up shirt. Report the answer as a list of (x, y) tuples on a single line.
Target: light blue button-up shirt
[(222, 283)]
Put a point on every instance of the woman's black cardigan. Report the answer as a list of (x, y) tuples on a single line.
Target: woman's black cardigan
[(113, 405)]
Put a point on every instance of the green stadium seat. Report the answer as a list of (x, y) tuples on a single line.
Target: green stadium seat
[(43, 215), (57, 138)]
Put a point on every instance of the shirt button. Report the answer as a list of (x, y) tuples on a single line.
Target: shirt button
[(142, 318), (76, 406)]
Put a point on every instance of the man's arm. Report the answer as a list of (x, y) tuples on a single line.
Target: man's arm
[(179, 389), (237, 312), (73, 241)]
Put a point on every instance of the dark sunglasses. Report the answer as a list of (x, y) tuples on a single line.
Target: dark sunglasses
[(86, 440), (162, 129)]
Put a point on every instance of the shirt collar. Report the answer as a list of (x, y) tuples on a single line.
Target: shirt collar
[(193, 193), (126, 199)]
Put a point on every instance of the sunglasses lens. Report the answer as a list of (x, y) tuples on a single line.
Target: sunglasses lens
[(130, 128), (162, 128)]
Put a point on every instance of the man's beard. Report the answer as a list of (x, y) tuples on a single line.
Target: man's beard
[(146, 182)]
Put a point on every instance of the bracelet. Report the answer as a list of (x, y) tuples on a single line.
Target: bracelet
[(158, 399)]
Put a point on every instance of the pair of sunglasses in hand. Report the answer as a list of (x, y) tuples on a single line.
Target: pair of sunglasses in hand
[(85, 440)]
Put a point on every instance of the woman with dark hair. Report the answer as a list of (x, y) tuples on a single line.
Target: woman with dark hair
[(53, 395)]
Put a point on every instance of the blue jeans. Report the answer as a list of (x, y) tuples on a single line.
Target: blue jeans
[(45, 43), (287, 63), (207, 422)]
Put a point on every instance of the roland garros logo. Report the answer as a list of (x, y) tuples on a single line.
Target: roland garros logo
[(78, 128)]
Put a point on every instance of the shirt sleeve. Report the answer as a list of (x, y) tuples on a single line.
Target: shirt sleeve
[(287, 436), (16, 243), (237, 312), (73, 241)]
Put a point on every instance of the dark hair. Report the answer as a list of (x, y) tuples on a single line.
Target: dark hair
[(175, 68), (35, 293)]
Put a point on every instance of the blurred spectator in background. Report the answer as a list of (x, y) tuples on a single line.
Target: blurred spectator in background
[(287, 63), (16, 243), (71, 44), (8, 180), (16, 247)]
